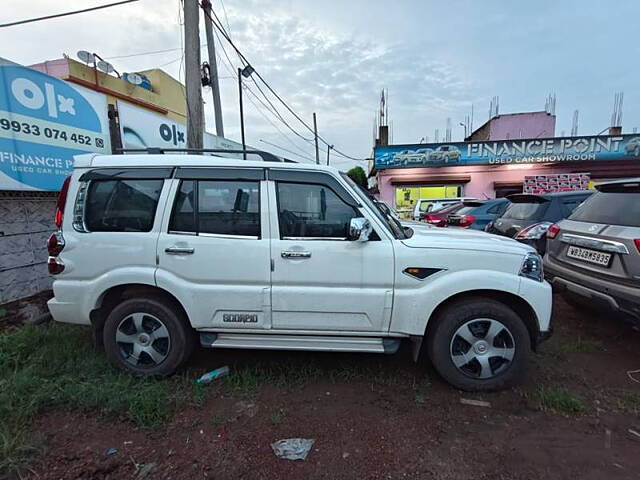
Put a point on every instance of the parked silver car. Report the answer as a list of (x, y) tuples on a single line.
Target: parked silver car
[(594, 255)]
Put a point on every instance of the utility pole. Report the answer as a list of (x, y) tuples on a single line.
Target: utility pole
[(195, 124), (315, 132), (213, 67), (329, 147), (244, 147)]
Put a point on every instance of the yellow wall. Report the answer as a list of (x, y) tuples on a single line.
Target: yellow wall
[(167, 92), (406, 197), (171, 91)]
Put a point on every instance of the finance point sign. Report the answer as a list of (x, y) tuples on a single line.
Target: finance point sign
[(509, 152), (44, 122)]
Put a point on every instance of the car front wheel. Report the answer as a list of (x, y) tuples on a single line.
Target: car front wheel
[(147, 336), (479, 344)]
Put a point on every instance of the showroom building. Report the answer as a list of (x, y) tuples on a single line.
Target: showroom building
[(495, 160)]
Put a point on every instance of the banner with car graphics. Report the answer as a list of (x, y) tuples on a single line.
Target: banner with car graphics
[(508, 152), (44, 122)]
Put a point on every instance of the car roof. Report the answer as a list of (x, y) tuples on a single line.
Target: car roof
[(447, 199), (624, 180), (611, 186), (184, 160), (545, 197), (479, 203)]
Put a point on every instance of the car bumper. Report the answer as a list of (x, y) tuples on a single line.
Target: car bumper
[(538, 296), (601, 294), (67, 312)]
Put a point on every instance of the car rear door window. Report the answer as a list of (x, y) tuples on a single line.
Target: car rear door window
[(498, 208), (571, 203), (121, 205), (312, 211), (610, 208), (526, 211), (219, 207)]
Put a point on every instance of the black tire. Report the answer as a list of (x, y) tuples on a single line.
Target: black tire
[(174, 352), (442, 340)]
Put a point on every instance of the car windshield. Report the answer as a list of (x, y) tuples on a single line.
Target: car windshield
[(382, 213), (611, 209), (526, 211), (466, 210), (449, 207)]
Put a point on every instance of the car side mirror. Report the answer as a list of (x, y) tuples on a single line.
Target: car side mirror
[(359, 229)]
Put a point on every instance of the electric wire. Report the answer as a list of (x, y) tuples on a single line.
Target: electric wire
[(215, 20), (286, 150), (65, 14), (228, 65)]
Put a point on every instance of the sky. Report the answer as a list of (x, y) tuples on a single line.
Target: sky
[(437, 60)]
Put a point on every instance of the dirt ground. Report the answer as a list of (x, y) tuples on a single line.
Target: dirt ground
[(409, 424)]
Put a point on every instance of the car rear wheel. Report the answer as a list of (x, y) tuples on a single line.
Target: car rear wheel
[(147, 336), (479, 344)]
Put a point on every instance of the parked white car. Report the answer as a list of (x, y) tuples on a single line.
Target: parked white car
[(426, 205), (157, 251)]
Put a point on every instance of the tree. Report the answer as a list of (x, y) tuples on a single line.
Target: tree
[(359, 176)]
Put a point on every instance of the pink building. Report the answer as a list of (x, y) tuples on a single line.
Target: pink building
[(516, 125), (495, 158)]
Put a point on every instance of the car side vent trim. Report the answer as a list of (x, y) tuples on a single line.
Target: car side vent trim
[(420, 273)]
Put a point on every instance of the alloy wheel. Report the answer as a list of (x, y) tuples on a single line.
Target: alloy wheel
[(143, 340), (482, 348)]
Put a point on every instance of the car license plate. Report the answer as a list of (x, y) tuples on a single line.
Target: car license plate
[(591, 256)]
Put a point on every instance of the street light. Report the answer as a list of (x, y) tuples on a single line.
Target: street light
[(465, 129), (246, 73)]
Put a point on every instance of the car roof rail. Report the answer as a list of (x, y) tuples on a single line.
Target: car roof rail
[(265, 156)]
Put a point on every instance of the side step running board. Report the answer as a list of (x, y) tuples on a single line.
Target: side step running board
[(300, 342)]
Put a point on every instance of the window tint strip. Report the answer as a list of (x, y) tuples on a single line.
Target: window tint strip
[(127, 173)]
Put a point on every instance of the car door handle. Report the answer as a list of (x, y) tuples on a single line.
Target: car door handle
[(179, 250), (292, 254)]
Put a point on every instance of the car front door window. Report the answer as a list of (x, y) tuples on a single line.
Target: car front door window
[(312, 211)]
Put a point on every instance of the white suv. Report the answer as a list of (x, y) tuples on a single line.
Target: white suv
[(156, 251)]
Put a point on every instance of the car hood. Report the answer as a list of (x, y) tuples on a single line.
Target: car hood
[(464, 239)]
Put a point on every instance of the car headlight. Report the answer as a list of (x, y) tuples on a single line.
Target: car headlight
[(532, 267)]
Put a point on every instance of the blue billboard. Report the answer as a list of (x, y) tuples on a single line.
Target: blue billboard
[(508, 152), (44, 122)]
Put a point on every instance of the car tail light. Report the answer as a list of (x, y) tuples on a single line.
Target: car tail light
[(553, 231), (533, 232), (62, 201), (435, 220), (55, 244), (55, 265), (637, 242), (466, 220)]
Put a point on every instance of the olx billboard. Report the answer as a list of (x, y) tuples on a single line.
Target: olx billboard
[(141, 128), (507, 152), (44, 122)]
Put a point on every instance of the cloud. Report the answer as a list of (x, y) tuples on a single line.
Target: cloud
[(333, 57), (340, 77)]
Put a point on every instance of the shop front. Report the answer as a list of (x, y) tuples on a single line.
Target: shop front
[(496, 169)]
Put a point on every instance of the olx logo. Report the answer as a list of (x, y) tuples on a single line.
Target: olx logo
[(170, 133), (31, 96)]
